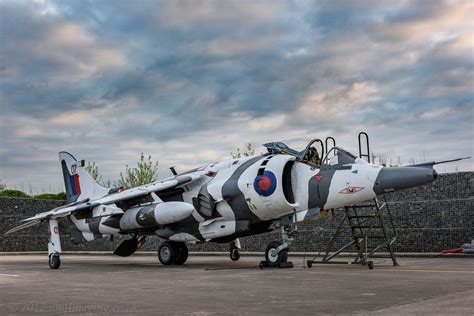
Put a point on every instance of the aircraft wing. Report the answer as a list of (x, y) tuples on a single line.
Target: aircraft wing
[(66, 210), (23, 226)]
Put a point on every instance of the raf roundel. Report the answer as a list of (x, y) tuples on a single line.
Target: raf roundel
[(265, 184)]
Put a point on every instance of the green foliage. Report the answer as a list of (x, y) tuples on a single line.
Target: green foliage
[(61, 195), (249, 151), (145, 172), (14, 193), (93, 170), (2, 185), (51, 196), (44, 196)]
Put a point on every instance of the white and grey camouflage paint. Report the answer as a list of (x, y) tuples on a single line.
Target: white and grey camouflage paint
[(226, 200)]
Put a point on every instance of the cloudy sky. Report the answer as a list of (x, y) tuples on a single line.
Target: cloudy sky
[(189, 81)]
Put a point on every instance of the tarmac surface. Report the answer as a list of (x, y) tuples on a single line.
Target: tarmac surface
[(214, 285)]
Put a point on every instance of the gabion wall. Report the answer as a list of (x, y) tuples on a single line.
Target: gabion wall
[(427, 219)]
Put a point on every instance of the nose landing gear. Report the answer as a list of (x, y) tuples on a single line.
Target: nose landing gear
[(276, 253), (273, 258)]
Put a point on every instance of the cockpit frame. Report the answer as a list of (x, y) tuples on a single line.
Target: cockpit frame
[(344, 155)]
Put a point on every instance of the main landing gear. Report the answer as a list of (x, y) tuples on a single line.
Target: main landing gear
[(173, 252), (234, 250), (276, 253)]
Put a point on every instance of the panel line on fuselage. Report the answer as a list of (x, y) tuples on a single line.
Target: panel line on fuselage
[(235, 197)]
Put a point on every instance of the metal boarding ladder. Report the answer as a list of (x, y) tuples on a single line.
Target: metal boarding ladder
[(362, 226), (367, 224)]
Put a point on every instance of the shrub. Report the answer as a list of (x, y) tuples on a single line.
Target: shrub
[(51, 196), (249, 151), (93, 170), (14, 193), (145, 172)]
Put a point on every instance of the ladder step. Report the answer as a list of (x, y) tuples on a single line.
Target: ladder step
[(369, 237), (362, 206), (368, 226)]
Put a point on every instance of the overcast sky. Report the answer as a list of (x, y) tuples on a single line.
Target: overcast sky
[(189, 81)]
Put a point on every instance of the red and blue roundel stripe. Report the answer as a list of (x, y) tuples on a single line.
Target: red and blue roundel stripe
[(265, 184)]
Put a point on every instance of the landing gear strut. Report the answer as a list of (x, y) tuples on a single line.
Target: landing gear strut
[(173, 252), (54, 245), (276, 253), (234, 250)]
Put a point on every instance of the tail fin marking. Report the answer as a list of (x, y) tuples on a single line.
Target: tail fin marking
[(75, 185), (78, 182)]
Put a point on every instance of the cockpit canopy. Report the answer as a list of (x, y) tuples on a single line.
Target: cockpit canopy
[(338, 156), (310, 152), (282, 148)]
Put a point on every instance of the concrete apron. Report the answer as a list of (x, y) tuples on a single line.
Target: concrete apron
[(248, 253)]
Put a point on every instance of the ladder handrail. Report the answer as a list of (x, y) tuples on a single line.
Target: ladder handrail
[(326, 143), (367, 155)]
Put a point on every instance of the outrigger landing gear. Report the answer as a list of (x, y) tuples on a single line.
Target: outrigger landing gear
[(276, 253), (54, 261), (234, 250), (173, 252), (54, 245)]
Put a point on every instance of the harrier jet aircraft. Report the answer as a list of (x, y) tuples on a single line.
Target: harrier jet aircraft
[(221, 202)]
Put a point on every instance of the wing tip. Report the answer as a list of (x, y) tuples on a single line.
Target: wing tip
[(22, 226)]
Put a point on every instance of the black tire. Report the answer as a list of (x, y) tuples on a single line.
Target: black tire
[(284, 255), (274, 261), (371, 265), (181, 253), (167, 253), (309, 263), (54, 261), (234, 254)]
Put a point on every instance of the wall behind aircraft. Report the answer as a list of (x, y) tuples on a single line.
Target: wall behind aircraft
[(428, 219)]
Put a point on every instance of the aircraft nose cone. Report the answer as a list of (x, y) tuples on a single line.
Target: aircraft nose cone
[(393, 179)]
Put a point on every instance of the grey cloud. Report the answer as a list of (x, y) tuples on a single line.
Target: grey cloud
[(190, 85)]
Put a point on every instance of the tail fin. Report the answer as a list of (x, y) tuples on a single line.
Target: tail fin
[(78, 182)]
